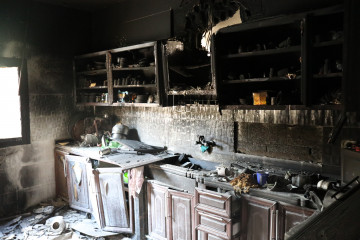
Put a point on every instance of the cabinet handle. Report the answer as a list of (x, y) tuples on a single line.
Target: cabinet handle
[(64, 164), (106, 185), (214, 217), (271, 224), (276, 224), (214, 195)]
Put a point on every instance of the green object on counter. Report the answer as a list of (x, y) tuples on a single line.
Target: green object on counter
[(114, 144), (125, 177)]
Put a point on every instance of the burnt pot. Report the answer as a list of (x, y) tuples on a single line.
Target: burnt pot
[(300, 180), (120, 128)]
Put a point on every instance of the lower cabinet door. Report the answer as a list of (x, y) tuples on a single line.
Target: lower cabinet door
[(77, 182), (157, 211), (113, 204), (61, 174), (258, 219), (290, 216), (181, 221)]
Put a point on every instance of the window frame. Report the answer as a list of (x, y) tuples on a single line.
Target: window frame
[(21, 64)]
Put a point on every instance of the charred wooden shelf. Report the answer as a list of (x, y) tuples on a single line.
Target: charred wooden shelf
[(329, 43), (316, 107), (135, 104), (92, 72), (330, 75), (149, 68), (255, 107), (101, 68), (93, 104), (264, 52), (282, 107), (192, 92), (253, 80), (93, 88), (135, 86)]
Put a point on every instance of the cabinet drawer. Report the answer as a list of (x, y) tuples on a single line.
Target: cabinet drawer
[(203, 235), (217, 203), (219, 227)]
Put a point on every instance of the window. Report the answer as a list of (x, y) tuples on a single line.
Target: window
[(14, 103)]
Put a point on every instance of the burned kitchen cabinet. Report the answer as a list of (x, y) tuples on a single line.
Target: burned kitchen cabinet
[(266, 219), (216, 215), (170, 213), (77, 182), (352, 56), (254, 56), (258, 218), (157, 211), (187, 75), (61, 174), (112, 205), (127, 76), (288, 216), (91, 79), (323, 57), (301, 60), (181, 212)]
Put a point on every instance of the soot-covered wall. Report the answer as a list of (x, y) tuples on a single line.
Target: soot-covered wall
[(297, 135), (52, 36)]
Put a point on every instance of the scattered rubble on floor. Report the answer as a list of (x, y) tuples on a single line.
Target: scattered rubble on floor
[(53, 221)]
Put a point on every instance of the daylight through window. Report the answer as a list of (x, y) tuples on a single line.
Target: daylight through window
[(10, 126)]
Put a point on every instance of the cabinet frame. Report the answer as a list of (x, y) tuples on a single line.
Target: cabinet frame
[(305, 48), (262, 203), (101, 193), (61, 174), (75, 203), (166, 211), (109, 70)]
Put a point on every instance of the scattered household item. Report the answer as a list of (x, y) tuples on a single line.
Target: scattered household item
[(243, 183), (300, 180), (141, 98), (89, 227), (261, 177), (242, 101), (222, 171), (122, 95), (259, 98), (205, 145), (56, 225), (46, 210), (89, 140), (119, 131), (324, 185)]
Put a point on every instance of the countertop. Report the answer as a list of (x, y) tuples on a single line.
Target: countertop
[(123, 160), (216, 182)]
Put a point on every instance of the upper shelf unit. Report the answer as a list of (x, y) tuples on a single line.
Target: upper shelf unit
[(324, 57), (277, 61), (187, 74), (261, 57), (127, 76)]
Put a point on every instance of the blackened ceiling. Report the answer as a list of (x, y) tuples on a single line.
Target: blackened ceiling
[(85, 5)]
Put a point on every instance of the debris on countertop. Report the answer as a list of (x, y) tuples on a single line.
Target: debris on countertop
[(243, 183)]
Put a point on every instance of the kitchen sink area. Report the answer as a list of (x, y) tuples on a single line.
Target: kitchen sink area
[(281, 185)]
